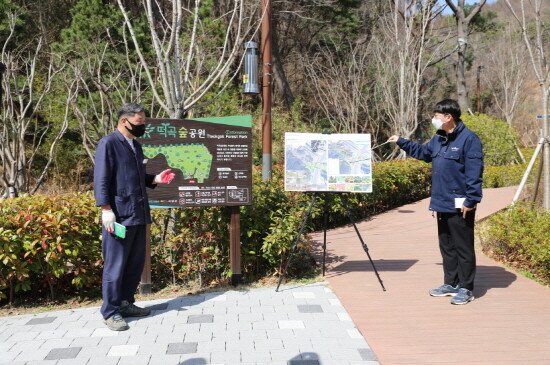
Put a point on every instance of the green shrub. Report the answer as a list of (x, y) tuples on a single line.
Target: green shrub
[(520, 236), (498, 138), (47, 243), (51, 245)]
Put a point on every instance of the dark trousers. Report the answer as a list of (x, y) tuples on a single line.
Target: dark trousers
[(123, 265), (456, 243)]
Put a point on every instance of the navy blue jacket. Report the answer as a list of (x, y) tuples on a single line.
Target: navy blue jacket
[(120, 179), (457, 167)]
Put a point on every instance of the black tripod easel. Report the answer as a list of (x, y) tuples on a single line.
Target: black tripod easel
[(325, 224)]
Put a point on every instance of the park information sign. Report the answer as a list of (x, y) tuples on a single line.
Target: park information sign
[(328, 162), (211, 157)]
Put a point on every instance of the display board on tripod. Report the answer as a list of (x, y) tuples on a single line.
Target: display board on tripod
[(328, 162)]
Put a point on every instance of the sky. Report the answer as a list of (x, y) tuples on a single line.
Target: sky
[(447, 11)]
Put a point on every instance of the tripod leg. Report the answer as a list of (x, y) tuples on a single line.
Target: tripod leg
[(325, 224), (296, 241), (365, 248)]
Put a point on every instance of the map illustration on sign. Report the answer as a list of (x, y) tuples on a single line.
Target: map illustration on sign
[(328, 162), (193, 160)]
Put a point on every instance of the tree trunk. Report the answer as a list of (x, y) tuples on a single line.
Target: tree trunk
[(461, 90), (546, 150), (279, 74)]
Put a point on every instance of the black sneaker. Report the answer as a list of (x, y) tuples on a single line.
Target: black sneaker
[(464, 296), (444, 290), (116, 323), (131, 310)]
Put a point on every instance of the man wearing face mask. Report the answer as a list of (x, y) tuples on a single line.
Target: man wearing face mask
[(457, 168), (120, 183)]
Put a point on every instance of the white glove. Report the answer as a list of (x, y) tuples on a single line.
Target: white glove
[(108, 218)]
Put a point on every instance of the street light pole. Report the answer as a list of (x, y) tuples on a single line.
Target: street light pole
[(266, 90)]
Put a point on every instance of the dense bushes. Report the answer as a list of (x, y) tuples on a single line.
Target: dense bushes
[(520, 236), (498, 137), (51, 245)]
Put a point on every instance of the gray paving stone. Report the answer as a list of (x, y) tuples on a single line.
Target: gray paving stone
[(41, 320), (310, 308), (367, 354), (103, 361), (164, 359), (182, 348), (200, 318), (63, 353)]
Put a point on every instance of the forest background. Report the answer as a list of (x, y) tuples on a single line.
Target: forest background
[(347, 66)]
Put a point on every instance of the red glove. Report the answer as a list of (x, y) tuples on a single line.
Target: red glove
[(165, 177)]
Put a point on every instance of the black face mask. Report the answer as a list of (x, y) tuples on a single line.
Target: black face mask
[(137, 130)]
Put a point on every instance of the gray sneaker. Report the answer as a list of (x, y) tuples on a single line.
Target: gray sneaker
[(444, 290), (116, 323), (464, 296), (131, 310)]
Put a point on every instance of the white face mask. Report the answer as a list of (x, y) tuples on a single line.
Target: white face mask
[(437, 123)]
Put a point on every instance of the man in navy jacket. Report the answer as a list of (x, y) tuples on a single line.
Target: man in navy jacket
[(120, 183), (456, 155)]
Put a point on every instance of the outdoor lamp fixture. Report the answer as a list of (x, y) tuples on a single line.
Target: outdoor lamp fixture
[(250, 77)]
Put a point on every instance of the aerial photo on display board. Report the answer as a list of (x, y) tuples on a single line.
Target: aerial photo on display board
[(328, 162)]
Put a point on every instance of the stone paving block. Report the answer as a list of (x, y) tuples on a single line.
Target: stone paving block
[(367, 354), (200, 318), (78, 332), (275, 316), (165, 359), (166, 338), (294, 324), (94, 352), (311, 308), (56, 343), (250, 335), (40, 320), (85, 341), (114, 341), (255, 356), (304, 295), (265, 325), (239, 345), (228, 357), (63, 353), (104, 332), (134, 360), (22, 336), (152, 349), (239, 326), (216, 345), (123, 350), (250, 317), (345, 354), (268, 344), (354, 333), (25, 346), (182, 348), (32, 354)]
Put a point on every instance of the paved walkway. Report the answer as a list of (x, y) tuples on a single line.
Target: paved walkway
[(508, 323), (300, 325)]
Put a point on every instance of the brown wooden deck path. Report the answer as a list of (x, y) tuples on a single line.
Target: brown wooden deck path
[(508, 323)]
